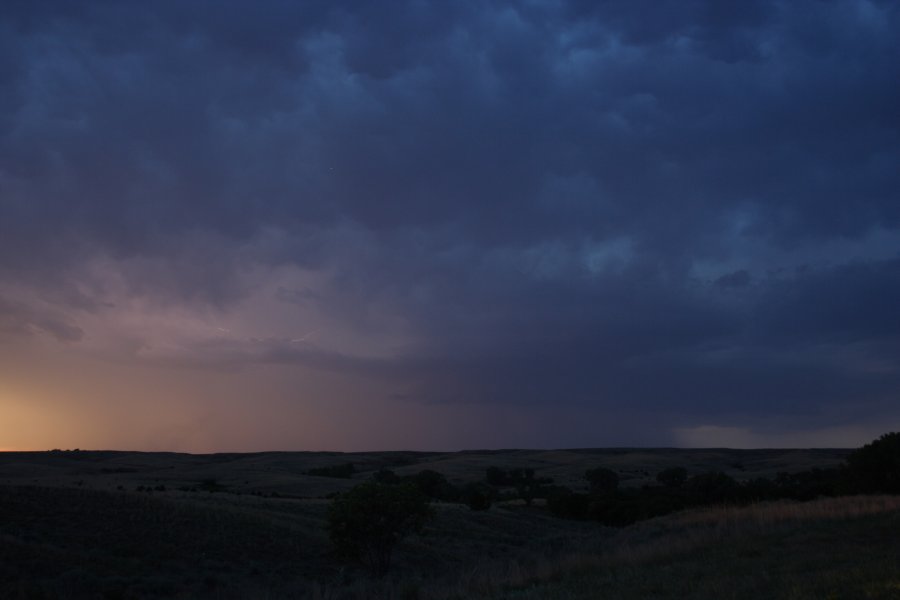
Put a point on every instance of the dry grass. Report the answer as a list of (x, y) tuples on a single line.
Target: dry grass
[(642, 545), (775, 512), (688, 530), (81, 543), (642, 548), (258, 547)]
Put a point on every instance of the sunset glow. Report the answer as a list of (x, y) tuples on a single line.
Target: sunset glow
[(448, 225)]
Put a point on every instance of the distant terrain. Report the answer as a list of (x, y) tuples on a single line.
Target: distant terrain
[(285, 473), (122, 525)]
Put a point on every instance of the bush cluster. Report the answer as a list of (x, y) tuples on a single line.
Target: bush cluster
[(874, 468), (367, 522)]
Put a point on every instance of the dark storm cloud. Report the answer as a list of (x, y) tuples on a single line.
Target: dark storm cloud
[(569, 201), (737, 279), (849, 303)]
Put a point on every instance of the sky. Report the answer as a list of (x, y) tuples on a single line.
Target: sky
[(342, 225)]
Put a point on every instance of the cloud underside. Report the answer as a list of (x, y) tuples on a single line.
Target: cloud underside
[(690, 212)]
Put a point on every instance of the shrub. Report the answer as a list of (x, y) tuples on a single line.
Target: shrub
[(712, 487), (615, 509), (431, 483), (477, 497), (528, 487), (565, 503), (367, 522), (876, 466), (385, 476), (211, 485), (807, 485), (672, 477)]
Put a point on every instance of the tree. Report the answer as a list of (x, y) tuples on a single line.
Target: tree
[(672, 477), (565, 503), (367, 522), (711, 487), (876, 466), (602, 480), (431, 483), (477, 496), (385, 476)]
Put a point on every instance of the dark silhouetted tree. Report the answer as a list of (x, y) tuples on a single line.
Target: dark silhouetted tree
[(367, 522), (477, 496), (565, 503), (711, 487), (385, 476), (876, 466), (432, 483)]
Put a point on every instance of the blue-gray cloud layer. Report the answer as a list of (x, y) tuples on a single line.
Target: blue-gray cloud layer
[(687, 207)]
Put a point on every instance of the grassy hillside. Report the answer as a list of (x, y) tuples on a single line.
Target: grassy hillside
[(77, 543), (836, 548), (74, 525)]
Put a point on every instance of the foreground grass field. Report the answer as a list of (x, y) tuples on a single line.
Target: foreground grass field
[(833, 548), (79, 543)]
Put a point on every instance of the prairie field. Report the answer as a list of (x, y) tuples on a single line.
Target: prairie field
[(285, 473), (139, 525)]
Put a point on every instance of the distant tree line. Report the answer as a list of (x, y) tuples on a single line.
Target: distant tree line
[(874, 468), (367, 522), (436, 486)]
